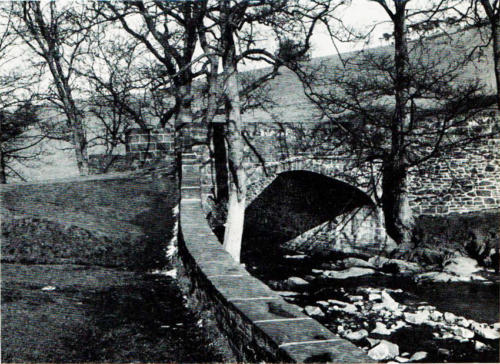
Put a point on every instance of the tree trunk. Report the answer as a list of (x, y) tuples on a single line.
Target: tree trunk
[(496, 56), (218, 137), (220, 163), (397, 211), (237, 186), (398, 215), (3, 175)]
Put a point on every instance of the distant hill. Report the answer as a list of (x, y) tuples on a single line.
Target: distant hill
[(292, 105)]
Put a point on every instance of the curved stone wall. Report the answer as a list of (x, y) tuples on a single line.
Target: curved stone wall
[(258, 323)]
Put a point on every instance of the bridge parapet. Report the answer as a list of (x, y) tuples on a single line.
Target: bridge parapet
[(258, 323)]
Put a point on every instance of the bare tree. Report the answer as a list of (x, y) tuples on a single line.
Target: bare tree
[(230, 36), (402, 107), (58, 36)]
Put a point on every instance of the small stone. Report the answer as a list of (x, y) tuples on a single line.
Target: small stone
[(462, 321), (479, 346), (348, 273), (381, 329), (443, 352), (387, 303), (372, 341), (296, 257), (317, 271), (405, 354), (323, 304), (355, 298), (400, 359), (296, 282), (436, 316), (384, 350), (314, 311), (356, 335), (374, 297), (449, 317), (419, 355), (49, 288), (287, 293)]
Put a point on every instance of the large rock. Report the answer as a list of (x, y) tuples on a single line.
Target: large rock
[(314, 311), (401, 266), (441, 277), (381, 329), (417, 318), (385, 350), (388, 303), (296, 283), (485, 331), (356, 335), (419, 355), (378, 261), (356, 262), (348, 273), (463, 332), (460, 266)]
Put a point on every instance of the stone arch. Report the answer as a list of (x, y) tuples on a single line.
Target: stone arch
[(259, 176), (296, 202)]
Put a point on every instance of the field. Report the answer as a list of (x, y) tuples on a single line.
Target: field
[(76, 286)]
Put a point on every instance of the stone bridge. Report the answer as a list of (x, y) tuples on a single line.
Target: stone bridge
[(457, 183)]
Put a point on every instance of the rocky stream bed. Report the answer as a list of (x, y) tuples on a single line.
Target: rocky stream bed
[(397, 311)]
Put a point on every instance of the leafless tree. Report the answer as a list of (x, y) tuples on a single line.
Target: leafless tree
[(401, 107)]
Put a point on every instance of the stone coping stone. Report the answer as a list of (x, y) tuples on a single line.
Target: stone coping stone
[(242, 288), (298, 331), (268, 309), (338, 351)]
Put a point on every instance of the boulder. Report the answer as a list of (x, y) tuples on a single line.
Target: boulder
[(441, 277), (381, 329), (450, 318), (323, 304), (460, 266), (419, 355), (436, 316), (356, 335), (342, 306), (388, 303), (385, 350), (402, 266), (296, 283), (378, 261), (417, 318), (356, 262), (348, 273), (463, 332), (485, 331), (314, 311)]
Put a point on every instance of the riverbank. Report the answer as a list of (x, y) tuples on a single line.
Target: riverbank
[(395, 310)]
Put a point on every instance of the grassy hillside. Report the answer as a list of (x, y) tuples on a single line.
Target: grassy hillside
[(122, 221)]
